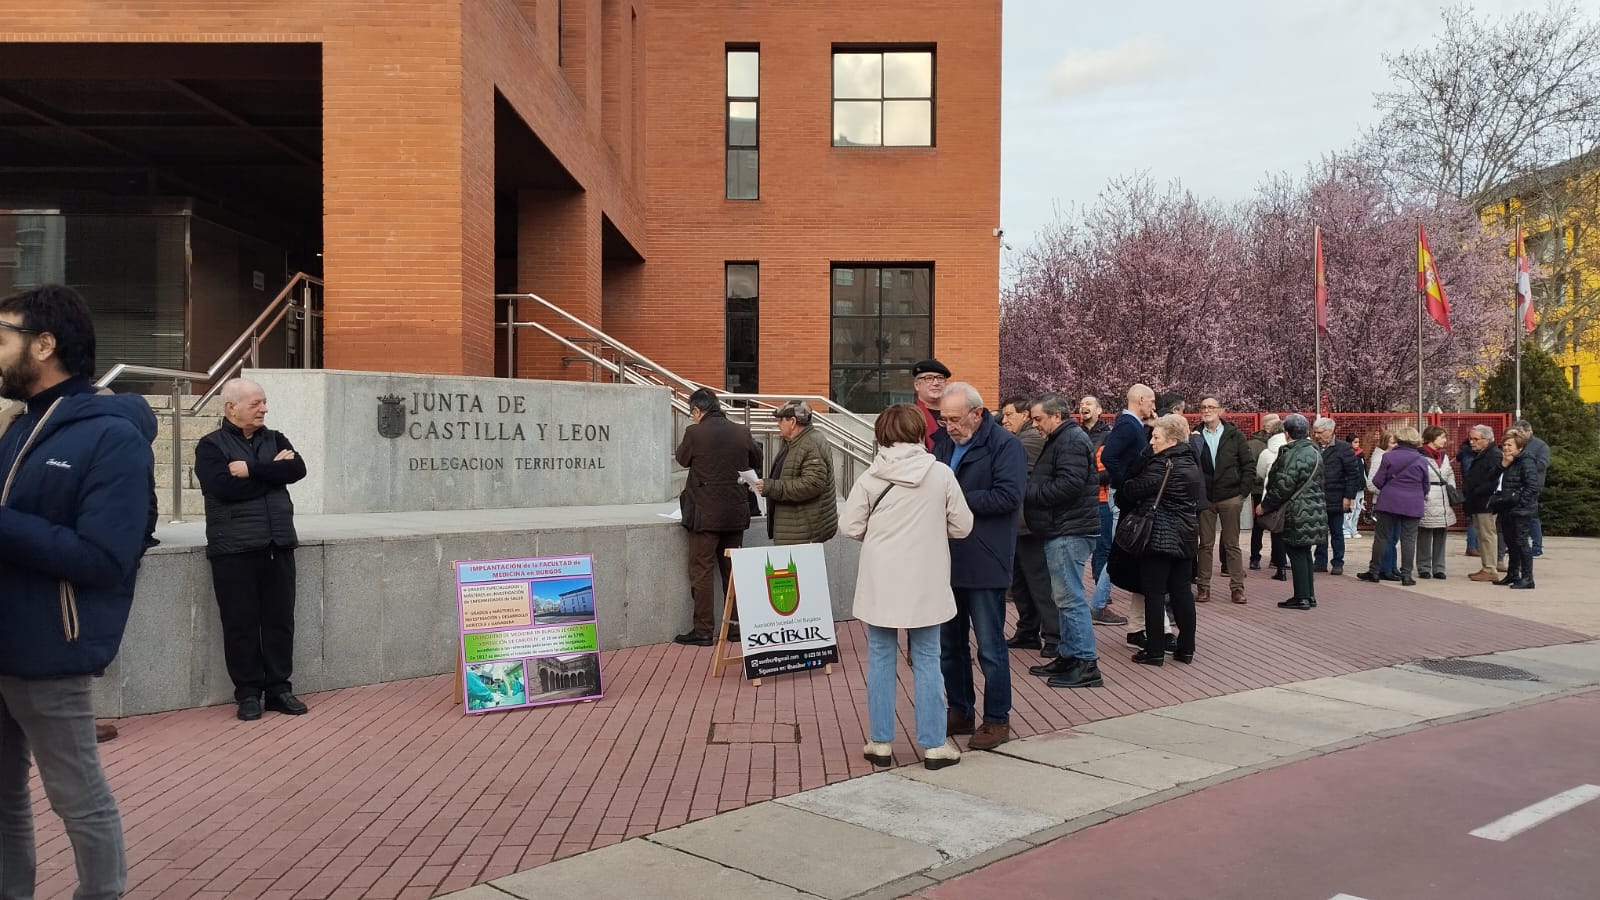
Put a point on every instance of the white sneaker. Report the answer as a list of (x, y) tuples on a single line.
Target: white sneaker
[(947, 754), (878, 754)]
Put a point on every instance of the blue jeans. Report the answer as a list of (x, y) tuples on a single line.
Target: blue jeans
[(1391, 561), (1472, 534), (1536, 531), (1102, 544), (1066, 556), (54, 718), (883, 651), (1336, 538), (982, 612)]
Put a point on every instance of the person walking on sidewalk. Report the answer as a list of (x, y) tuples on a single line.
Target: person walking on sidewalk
[(1229, 470), (77, 469), (1402, 483), (1168, 486), (905, 509), (992, 469), (1516, 499), (1294, 484), (1061, 506), (1478, 485)]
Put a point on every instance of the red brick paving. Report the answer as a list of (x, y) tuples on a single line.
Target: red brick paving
[(388, 791)]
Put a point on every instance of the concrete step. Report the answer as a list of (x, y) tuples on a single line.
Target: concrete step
[(194, 505), (193, 428), (164, 475)]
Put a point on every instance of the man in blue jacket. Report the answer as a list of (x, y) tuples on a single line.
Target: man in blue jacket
[(992, 469), (77, 470)]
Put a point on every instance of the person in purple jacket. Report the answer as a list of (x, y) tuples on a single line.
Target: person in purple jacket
[(1402, 483)]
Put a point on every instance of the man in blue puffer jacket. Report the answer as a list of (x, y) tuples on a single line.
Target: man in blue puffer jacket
[(992, 469), (73, 519)]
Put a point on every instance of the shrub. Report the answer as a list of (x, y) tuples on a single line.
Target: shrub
[(1570, 504)]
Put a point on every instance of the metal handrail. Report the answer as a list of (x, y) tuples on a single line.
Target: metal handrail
[(227, 365)]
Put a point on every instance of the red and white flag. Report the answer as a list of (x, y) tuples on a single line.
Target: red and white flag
[(1320, 277), (1524, 287)]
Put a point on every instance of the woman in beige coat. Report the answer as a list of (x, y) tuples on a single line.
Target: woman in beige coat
[(905, 509)]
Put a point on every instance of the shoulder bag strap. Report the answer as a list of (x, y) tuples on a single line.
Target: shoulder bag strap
[(1163, 489), (1315, 471)]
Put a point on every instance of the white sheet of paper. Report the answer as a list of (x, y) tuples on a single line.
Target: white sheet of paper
[(748, 476)]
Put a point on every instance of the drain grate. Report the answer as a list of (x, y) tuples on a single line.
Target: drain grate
[(1467, 668)]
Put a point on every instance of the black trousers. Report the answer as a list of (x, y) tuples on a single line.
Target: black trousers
[(1518, 538), (1258, 533), (255, 595), (1031, 592), (1166, 583)]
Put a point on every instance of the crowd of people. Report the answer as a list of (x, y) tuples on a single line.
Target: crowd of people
[(1047, 507)]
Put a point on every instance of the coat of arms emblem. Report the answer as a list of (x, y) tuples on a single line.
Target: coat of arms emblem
[(391, 416), (783, 588)]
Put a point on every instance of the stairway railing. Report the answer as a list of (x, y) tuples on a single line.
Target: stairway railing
[(302, 296)]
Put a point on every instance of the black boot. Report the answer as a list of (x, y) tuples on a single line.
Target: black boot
[(1058, 666), (1281, 574), (1295, 603), (1085, 673)]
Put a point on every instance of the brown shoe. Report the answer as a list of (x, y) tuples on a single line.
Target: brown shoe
[(954, 724), (103, 733), (1238, 596), (1202, 595), (1482, 575), (989, 736)]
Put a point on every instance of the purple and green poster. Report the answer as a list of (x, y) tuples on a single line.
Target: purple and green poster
[(527, 632)]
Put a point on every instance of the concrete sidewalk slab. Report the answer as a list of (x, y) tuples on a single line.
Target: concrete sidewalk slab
[(1297, 718), (1194, 739), (1584, 658), (1410, 691), (620, 871), (786, 844), (1061, 794), (957, 825), (1155, 770), (1066, 748)]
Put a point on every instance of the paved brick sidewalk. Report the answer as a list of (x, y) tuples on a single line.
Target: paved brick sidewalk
[(388, 791)]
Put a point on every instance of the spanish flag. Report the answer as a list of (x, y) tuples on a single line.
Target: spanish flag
[(1428, 284), (1524, 287)]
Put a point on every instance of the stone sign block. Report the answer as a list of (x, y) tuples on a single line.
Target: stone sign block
[(386, 442)]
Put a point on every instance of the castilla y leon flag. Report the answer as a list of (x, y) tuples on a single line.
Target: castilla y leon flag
[(1428, 283), (1320, 275), (1524, 287)]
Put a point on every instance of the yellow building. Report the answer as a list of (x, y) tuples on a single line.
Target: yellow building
[(1560, 210)]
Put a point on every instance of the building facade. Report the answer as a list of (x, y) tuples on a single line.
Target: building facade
[(785, 198)]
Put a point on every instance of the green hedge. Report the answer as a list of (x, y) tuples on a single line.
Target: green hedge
[(1570, 504)]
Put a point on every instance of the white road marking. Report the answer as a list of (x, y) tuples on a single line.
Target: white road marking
[(1506, 828), (1345, 897)]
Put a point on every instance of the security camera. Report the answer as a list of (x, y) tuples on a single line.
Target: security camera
[(999, 232)]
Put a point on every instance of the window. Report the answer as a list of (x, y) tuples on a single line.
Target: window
[(1575, 378), (882, 325), (883, 98), (743, 318), (744, 125)]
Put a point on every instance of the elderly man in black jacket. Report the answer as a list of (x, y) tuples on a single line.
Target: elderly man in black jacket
[(1062, 506), (1342, 482), (1229, 469), (1478, 486), (244, 469)]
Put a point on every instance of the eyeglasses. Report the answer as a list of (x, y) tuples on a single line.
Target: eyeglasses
[(1209, 406), (939, 378), (955, 420), (17, 328)]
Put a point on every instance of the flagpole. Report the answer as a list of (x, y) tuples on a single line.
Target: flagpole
[(1422, 302), (1316, 313), (1516, 321)]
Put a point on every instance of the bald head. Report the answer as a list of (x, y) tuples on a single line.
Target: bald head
[(1142, 401), (244, 403)]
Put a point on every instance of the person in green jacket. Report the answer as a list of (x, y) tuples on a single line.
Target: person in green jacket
[(1295, 480), (802, 501)]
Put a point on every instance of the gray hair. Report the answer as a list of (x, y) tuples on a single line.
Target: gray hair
[(1483, 431), (1271, 423), (798, 410), (1053, 404), (1173, 426), (1523, 425), (1296, 426), (1323, 423), (965, 391), (235, 390)]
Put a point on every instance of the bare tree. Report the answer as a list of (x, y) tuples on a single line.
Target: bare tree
[(1492, 100)]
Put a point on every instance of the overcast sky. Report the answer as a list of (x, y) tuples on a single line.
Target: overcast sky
[(1215, 94)]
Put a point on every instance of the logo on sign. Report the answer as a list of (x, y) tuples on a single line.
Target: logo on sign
[(783, 588), (391, 416)]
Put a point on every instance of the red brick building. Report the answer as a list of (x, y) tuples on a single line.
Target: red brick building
[(794, 197)]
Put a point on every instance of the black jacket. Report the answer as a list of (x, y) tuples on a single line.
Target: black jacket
[(1342, 477), (1479, 483), (1518, 493), (1177, 519), (1234, 473), (1097, 432), (252, 513), (1063, 496)]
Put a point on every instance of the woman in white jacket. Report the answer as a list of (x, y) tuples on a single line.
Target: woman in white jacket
[(1280, 559), (1437, 514), (905, 509)]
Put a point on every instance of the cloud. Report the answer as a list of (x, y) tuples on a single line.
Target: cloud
[(1135, 59)]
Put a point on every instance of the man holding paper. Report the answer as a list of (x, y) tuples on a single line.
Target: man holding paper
[(714, 503), (802, 503)]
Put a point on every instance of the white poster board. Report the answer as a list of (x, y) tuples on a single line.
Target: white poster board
[(785, 613)]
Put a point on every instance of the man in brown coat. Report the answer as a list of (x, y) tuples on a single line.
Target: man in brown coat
[(714, 503)]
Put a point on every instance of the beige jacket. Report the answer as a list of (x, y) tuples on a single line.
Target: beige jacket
[(903, 580)]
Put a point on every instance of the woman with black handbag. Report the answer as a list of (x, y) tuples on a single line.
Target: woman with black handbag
[(1165, 490), (1516, 502), (1294, 506)]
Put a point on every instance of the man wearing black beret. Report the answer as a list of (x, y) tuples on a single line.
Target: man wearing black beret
[(928, 380)]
